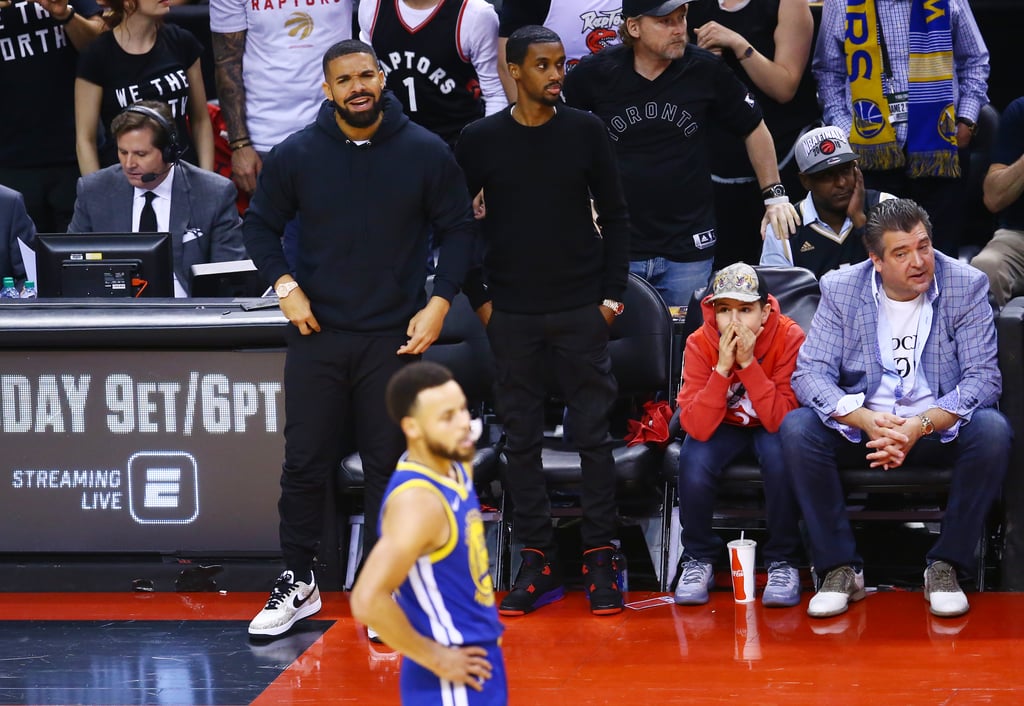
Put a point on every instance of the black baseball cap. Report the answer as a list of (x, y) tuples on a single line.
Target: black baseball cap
[(652, 8)]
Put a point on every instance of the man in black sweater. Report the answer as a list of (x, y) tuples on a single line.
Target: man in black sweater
[(367, 184), (555, 283)]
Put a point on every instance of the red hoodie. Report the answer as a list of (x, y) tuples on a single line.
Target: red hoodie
[(703, 399)]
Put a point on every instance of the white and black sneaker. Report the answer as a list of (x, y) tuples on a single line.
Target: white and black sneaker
[(290, 601)]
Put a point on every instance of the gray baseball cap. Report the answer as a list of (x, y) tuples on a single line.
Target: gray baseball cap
[(823, 148)]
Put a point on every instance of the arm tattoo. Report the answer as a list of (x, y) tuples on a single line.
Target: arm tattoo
[(228, 49)]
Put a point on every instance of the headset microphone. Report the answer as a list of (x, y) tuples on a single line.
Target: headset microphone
[(152, 176)]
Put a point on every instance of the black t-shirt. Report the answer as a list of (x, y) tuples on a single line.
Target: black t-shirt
[(520, 13), (1007, 149), (438, 87), (756, 22), (37, 86), (661, 131), (160, 74), (543, 253)]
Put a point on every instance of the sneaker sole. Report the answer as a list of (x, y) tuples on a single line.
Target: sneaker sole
[(303, 612), (547, 599), (779, 604), (831, 614), (611, 610), (946, 613)]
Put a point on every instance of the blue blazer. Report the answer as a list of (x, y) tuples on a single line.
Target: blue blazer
[(205, 225), (959, 360), (14, 224)]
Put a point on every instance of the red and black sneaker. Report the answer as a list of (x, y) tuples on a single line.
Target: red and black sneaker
[(600, 581), (536, 585)]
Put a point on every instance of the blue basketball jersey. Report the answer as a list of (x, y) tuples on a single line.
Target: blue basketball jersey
[(449, 595)]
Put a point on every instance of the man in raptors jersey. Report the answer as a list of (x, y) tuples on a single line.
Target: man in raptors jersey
[(426, 587), (440, 58)]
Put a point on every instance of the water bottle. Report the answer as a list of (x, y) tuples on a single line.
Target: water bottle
[(619, 562), (29, 290), (9, 291)]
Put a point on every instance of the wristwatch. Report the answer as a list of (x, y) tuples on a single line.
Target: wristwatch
[(285, 288), (971, 125), (774, 191), (616, 307), (926, 425), (746, 54)]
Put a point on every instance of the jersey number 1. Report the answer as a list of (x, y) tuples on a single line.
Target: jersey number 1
[(410, 84)]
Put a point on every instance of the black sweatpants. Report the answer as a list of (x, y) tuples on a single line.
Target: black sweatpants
[(334, 386)]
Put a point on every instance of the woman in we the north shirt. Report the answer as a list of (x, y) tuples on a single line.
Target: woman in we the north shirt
[(141, 58)]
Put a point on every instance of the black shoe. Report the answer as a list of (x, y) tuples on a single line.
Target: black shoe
[(601, 581), (536, 585)]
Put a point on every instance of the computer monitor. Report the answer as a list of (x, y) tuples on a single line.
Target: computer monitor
[(104, 265)]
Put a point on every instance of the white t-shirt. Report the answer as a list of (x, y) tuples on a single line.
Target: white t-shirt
[(478, 40), (282, 69), (900, 393)]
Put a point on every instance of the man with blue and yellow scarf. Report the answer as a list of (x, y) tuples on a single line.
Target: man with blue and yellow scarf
[(906, 79)]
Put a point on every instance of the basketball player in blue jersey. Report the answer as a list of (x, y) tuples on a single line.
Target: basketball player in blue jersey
[(425, 588)]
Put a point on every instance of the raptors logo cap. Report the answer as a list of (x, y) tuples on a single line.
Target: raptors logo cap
[(652, 8), (738, 281), (823, 148)]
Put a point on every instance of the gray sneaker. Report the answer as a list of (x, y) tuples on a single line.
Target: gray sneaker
[(943, 592), (697, 579), (841, 587), (783, 588)]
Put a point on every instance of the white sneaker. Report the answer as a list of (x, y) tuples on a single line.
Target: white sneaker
[(841, 587), (290, 601), (943, 592)]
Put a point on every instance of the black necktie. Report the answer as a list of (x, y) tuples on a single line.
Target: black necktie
[(147, 221)]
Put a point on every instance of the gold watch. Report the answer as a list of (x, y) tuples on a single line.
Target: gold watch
[(926, 425)]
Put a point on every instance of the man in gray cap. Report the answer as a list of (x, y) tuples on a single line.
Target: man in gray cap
[(834, 211), (658, 97)]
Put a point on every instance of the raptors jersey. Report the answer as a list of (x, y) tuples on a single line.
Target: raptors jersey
[(426, 67), (448, 594), (585, 27)]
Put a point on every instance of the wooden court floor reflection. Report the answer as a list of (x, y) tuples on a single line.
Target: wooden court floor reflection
[(886, 649)]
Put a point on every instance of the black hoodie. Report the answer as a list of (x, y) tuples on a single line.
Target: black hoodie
[(365, 212)]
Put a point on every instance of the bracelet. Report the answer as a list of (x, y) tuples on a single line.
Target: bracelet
[(71, 14), (239, 144), (776, 200), (773, 191)]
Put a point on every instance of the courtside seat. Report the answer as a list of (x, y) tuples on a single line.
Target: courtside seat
[(906, 494)]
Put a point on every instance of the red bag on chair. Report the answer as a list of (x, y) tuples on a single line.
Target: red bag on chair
[(652, 427)]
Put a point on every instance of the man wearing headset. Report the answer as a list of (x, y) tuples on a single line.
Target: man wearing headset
[(151, 191)]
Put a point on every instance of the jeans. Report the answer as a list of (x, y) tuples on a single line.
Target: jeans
[(675, 281), (700, 469), (979, 456), (525, 346)]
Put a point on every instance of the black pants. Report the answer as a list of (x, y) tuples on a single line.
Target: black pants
[(334, 400), (524, 346)]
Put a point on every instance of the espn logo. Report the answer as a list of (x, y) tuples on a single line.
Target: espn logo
[(163, 487)]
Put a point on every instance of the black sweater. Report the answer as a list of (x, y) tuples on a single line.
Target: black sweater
[(543, 253), (364, 214)]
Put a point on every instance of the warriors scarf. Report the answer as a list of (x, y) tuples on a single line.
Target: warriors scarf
[(931, 118)]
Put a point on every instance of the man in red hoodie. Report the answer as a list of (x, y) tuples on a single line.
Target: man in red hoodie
[(735, 393)]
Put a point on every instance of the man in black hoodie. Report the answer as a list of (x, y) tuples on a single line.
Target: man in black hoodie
[(368, 185)]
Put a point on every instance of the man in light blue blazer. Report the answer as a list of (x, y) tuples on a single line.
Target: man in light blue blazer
[(15, 224), (151, 191), (899, 366)]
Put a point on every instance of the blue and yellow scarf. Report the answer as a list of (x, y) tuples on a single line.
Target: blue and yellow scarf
[(931, 117)]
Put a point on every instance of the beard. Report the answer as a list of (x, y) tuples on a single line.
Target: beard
[(453, 453), (364, 118)]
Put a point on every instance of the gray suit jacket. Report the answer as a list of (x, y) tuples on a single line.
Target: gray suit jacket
[(14, 224), (205, 225)]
